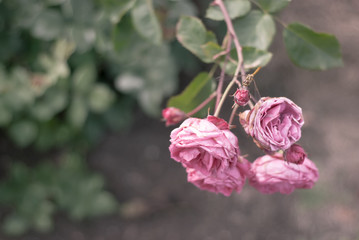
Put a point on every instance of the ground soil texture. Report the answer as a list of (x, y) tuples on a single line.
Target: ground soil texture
[(158, 203)]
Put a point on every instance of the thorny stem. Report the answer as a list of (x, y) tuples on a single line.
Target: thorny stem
[(204, 103)]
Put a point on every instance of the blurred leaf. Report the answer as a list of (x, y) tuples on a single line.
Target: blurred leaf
[(195, 93), (130, 83), (235, 8), (311, 50), (42, 222), (176, 9), (48, 25), (77, 112), (255, 30), (117, 9), (23, 132), (83, 36), (52, 102), (84, 77), (101, 97), (192, 34), (5, 116), (150, 79), (273, 6), (15, 225), (145, 21)]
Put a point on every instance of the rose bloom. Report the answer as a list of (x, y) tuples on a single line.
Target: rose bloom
[(224, 182), (274, 123), (270, 174), (202, 145), (172, 115)]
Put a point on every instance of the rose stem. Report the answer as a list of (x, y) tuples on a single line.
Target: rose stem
[(232, 114), (227, 19), (240, 67), (228, 41), (204, 103)]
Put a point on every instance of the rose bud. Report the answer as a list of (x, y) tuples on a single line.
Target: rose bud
[(241, 96), (172, 115), (203, 146), (274, 123), (270, 174), (295, 154), (224, 182)]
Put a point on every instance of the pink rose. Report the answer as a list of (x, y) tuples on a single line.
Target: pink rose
[(200, 144), (224, 182), (172, 115), (270, 174), (274, 123), (241, 96), (295, 154)]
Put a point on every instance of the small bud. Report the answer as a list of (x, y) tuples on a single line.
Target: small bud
[(241, 96), (172, 115), (295, 154)]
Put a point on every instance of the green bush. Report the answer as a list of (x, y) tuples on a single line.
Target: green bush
[(70, 69)]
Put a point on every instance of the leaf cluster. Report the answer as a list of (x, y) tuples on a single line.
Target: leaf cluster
[(36, 194), (254, 25), (69, 71)]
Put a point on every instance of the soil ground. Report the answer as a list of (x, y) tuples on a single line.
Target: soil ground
[(158, 203)]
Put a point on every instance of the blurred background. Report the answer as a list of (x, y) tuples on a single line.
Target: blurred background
[(84, 154)]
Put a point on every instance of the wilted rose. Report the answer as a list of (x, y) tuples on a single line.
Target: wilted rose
[(172, 115), (203, 146), (274, 123), (270, 174), (225, 182), (295, 154)]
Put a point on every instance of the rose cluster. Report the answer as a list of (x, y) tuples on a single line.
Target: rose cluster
[(209, 150)]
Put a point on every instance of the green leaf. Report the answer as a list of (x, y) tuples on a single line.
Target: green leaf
[(273, 6), (23, 132), (235, 8), (15, 225), (77, 112), (195, 93), (192, 34), (311, 50), (101, 97), (115, 9), (145, 21), (150, 79), (252, 57), (48, 25), (255, 30), (84, 77), (210, 49)]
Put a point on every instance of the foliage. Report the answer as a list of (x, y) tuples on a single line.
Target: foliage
[(37, 193), (69, 70), (255, 28)]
